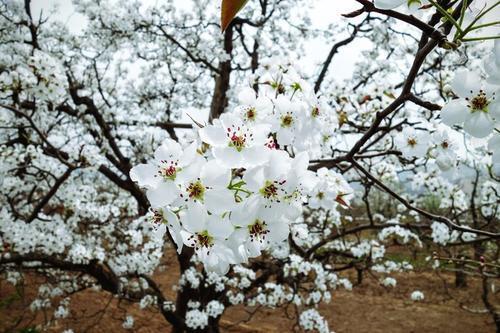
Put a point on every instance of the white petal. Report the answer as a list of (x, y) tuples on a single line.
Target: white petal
[(263, 106), (254, 178), (169, 150), (174, 228), (464, 82), (496, 49), (494, 143), (145, 175), (309, 180), (229, 120), (445, 161), (165, 193), (229, 157), (279, 164), (159, 231), (194, 218), (191, 172), (388, 4), (217, 261), (495, 158), (254, 248), (260, 134), (301, 161), (186, 238), (479, 125), (254, 156), (190, 155), (285, 136), (245, 213), (293, 210), (213, 135), (215, 175), (283, 104), (272, 212), (454, 112), (219, 200), (278, 231), (494, 110), (247, 96), (219, 227)]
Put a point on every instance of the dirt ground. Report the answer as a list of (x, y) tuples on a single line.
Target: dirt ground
[(369, 307)]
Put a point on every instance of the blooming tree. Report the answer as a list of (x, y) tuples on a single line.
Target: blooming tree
[(150, 134)]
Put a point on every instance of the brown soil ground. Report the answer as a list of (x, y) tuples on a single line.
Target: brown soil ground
[(367, 308)]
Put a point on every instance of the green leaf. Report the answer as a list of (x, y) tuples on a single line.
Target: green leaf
[(229, 9)]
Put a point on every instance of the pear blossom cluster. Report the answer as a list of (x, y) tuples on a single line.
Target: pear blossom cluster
[(311, 320), (417, 295), (233, 192), (476, 106), (128, 323)]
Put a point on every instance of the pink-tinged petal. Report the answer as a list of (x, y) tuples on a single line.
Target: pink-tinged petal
[(145, 175), (213, 135), (228, 156), (194, 218), (219, 201), (454, 112), (168, 151), (215, 175), (163, 194), (479, 125), (219, 227), (466, 82)]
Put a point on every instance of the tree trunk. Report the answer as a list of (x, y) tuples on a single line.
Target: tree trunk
[(219, 99)]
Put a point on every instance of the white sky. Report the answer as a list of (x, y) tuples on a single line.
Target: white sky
[(324, 13)]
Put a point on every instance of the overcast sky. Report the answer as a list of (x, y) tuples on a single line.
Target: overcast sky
[(324, 13)]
